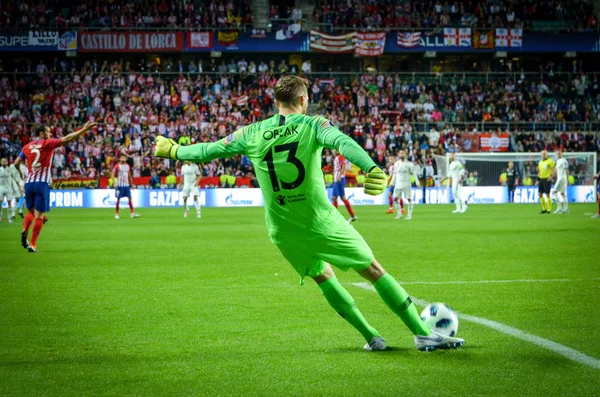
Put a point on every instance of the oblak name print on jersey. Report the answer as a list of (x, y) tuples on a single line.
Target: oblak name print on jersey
[(281, 132)]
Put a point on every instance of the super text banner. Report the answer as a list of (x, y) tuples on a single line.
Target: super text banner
[(38, 41)]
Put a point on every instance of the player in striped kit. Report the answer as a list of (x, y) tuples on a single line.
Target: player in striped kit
[(190, 179), (37, 154), (6, 189), (339, 182), (403, 170), (124, 184)]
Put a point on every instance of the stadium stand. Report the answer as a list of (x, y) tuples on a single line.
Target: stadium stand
[(136, 14), (383, 112), (537, 15)]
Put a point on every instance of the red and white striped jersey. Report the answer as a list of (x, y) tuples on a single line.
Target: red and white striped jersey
[(121, 172), (38, 157), (339, 168)]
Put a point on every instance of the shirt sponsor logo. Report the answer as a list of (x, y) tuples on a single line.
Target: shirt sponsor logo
[(280, 133), (282, 200)]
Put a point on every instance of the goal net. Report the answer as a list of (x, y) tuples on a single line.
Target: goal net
[(485, 178)]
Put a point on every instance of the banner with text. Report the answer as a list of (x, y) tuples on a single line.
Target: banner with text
[(370, 44), (340, 44), (38, 41), (130, 41), (105, 198)]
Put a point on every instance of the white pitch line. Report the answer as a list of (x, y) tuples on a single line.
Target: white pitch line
[(549, 280), (564, 351)]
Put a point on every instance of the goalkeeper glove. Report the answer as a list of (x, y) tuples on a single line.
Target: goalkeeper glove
[(375, 182), (166, 147)]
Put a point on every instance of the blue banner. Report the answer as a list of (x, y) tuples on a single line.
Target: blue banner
[(38, 41), (105, 198), (248, 42), (531, 42)]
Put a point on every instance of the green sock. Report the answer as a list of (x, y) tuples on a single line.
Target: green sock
[(343, 303), (398, 300)]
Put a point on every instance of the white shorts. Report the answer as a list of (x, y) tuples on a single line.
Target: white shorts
[(456, 189), (6, 192), (190, 191), (561, 185), (403, 191)]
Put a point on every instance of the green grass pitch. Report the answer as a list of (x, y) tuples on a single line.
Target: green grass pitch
[(167, 306)]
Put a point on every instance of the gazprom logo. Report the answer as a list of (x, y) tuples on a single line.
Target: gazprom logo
[(590, 197), (229, 200), (109, 201), (357, 201)]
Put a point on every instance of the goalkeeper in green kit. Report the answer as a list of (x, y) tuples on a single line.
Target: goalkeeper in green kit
[(312, 235)]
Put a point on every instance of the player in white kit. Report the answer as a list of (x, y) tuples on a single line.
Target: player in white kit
[(560, 188), (403, 170), (6, 188), (457, 173), (18, 192), (190, 179)]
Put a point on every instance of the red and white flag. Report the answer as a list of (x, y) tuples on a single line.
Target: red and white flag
[(370, 44), (408, 39), (494, 142), (200, 40), (509, 38), (340, 44), (457, 37)]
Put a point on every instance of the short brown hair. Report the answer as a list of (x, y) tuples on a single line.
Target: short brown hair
[(40, 129), (289, 89)]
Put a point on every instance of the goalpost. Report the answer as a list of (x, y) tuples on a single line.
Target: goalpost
[(485, 178)]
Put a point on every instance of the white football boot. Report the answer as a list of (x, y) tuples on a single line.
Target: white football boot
[(376, 344), (435, 341)]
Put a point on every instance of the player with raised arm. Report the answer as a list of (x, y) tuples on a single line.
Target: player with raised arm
[(6, 189), (190, 179), (403, 170), (122, 172), (597, 179), (339, 184), (561, 171), (285, 151), (457, 174), (37, 154), (545, 171)]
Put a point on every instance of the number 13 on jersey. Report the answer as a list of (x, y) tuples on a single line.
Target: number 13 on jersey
[(291, 149)]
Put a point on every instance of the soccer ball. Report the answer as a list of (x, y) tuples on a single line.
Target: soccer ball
[(441, 318)]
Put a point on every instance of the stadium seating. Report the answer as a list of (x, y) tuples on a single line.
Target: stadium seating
[(425, 114), (537, 14), (56, 14)]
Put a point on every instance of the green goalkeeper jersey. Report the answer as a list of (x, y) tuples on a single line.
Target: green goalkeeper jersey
[(286, 154)]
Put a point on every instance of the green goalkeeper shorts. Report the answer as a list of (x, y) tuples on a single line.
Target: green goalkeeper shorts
[(343, 248)]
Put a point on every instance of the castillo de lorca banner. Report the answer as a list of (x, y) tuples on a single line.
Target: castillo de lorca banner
[(130, 41)]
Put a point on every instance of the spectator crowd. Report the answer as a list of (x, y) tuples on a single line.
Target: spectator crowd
[(576, 14), (382, 112), (63, 14)]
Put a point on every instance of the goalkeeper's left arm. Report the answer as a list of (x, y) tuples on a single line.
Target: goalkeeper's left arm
[(331, 137), (202, 152)]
